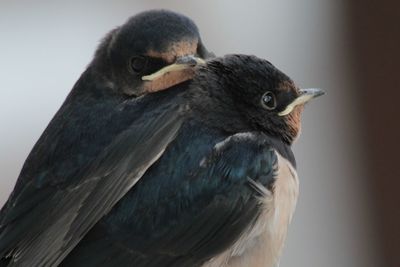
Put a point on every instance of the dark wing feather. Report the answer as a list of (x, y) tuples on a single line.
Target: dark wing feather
[(185, 215), (42, 223)]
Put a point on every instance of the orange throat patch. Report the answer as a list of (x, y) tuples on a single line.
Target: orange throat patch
[(168, 80), (293, 120)]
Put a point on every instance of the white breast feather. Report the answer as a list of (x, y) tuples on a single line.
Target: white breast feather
[(262, 244)]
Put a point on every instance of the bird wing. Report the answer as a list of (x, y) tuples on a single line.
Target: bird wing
[(186, 214), (61, 214)]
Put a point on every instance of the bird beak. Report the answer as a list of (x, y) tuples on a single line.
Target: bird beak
[(305, 96), (181, 64)]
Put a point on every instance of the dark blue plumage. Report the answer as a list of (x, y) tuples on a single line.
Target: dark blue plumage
[(189, 206), (93, 148)]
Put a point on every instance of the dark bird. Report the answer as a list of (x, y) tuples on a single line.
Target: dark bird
[(224, 190), (102, 139)]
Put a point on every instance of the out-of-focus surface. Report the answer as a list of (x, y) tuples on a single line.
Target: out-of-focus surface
[(45, 46), (375, 32)]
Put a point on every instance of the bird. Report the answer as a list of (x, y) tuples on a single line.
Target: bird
[(224, 190), (84, 163)]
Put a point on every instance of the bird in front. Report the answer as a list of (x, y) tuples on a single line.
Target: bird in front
[(223, 192)]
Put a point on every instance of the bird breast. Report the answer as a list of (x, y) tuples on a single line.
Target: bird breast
[(261, 245)]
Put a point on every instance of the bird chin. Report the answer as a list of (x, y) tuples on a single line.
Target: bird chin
[(167, 80)]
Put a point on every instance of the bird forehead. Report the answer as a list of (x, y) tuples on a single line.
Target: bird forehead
[(288, 86), (175, 49)]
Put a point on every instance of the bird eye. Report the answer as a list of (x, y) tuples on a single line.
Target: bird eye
[(268, 101), (138, 63)]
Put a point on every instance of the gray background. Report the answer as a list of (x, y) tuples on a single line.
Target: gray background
[(45, 45)]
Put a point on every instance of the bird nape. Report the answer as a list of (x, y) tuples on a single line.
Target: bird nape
[(201, 174)]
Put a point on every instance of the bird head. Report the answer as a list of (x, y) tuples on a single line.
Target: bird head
[(266, 99), (152, 51)]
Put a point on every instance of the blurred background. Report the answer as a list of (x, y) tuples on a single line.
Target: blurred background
[(348, 213)]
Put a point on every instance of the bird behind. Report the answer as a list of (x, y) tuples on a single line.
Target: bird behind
[(83, 162)]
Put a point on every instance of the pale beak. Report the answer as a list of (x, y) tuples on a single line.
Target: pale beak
[(305, 96), (181, 63)]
